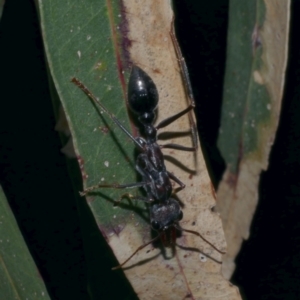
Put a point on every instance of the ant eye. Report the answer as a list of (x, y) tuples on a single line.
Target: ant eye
[(156, 225), (180, 216)]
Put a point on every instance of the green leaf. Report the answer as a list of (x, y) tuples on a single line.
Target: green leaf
[(85, 46), (19, 277), (255, 74), (245, 103)]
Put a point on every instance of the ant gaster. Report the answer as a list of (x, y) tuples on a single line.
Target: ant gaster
[(165, 212)]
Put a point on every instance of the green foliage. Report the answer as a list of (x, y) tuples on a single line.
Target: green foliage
[(245, 102), (81, 41), (19, 277)]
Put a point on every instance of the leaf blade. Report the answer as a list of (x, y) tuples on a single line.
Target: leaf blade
[(252, 101), (20, 278)]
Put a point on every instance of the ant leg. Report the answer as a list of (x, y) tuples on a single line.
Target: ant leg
[(171, 119), (186, 82), (115, 186), (173, 177), (201, 236), (136, 251), (132, 197), (178, 147)]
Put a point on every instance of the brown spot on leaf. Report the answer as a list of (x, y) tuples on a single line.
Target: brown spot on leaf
[(256, 39), (213, 191), (81, 167), (231, 180), (104, 129), (126, 42)]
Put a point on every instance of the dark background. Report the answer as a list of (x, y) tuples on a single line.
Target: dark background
[(34, 175)]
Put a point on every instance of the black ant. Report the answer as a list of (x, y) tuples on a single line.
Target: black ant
[(165, 212)]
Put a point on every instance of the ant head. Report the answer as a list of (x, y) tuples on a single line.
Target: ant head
[(165, 214), (142, 92)]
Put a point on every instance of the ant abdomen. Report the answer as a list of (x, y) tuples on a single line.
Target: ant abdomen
[(142, 94)]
